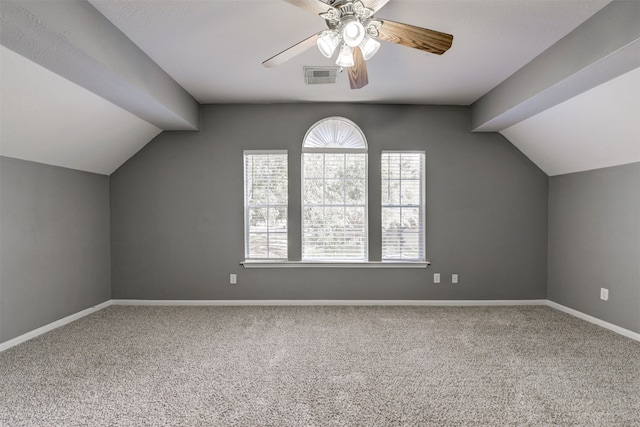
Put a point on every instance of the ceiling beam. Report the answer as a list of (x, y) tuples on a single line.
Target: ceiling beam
[(603, 47), (73, 39)]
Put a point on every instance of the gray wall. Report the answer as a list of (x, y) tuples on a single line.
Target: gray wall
[(54, 251), (594, 242), (177, 209)]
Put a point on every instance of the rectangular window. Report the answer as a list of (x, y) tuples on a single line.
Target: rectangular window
[(403, 206), (265, 205), (334, 207)]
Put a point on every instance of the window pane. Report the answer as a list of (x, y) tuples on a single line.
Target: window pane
[(391, 165), (390, 219), (313, 164), (278, 245), (258, 218), (333, 219), (313, 230), (355, 166), (334, 165), (278, 190), (410, 166), (410, 219), (403, 229), (258, 245), (257, 189), (391, 245), (355, 192), (401, 245), (313, 191), (266, 198), (411, 191), (313, 217), (411, 245), (390, 192), (334, 192), (277, 219)]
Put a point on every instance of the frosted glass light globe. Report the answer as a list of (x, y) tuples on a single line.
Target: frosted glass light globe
[(369, 47), (353, 33), (345, 57), (328, 42)]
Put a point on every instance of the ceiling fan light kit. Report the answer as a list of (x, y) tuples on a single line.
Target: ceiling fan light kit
[(369, 47), (345, 57), (353, 33), (349, 23), (353, 28), (328, 42)]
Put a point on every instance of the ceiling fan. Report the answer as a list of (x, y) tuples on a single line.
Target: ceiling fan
[(354, 29)]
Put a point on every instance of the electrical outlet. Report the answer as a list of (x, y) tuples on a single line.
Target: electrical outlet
[(604, 294), (436, 277), (233, 279), (454, 278)]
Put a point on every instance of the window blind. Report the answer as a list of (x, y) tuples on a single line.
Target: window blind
[(266, 205), (334, 211), (403, 206)]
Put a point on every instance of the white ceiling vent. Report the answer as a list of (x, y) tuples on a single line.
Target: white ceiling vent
[(321, 75)]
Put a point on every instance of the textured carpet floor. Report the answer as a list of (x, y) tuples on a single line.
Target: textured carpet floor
[(323, 366)]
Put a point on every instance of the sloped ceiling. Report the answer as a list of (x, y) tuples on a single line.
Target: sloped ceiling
[(104, 77), (48, 119), (596, 129)]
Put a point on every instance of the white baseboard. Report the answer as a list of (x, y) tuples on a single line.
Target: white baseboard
[(622, 331), (287, 302), (441, 303), (51, 326)]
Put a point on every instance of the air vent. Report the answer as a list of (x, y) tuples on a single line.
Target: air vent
[(321, 75)]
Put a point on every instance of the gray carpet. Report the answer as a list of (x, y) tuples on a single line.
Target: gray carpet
[(323, 366)]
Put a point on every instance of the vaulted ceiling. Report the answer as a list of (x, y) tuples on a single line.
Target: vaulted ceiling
[(85, 85)]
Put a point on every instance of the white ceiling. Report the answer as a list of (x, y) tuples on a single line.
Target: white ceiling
[(596, 129), (47, 119), (214, 50)]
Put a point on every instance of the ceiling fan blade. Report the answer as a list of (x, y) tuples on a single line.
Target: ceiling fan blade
[(376, 5), (416, 37), (358, 73), (313, 6), (289, 53)]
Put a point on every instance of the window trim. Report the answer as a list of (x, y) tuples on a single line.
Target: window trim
[(350, 123), (422, 205), (366, 210), (335, 264), (362, 148), (246, 207)]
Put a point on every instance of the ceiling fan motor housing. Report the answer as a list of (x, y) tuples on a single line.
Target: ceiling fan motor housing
[(352, 20)]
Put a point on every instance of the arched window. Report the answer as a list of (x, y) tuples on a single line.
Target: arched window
[(334, 134), (334, 192)]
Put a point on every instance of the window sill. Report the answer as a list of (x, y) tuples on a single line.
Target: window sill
[(334, 264)]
